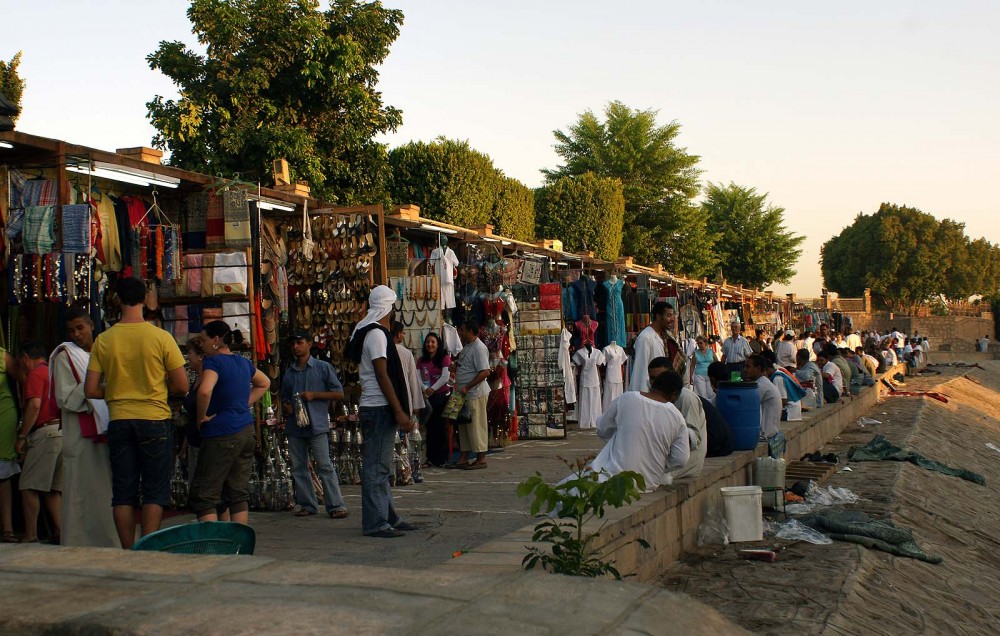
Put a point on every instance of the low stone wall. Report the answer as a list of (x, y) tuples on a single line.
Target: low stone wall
[(668, 519), (954, 333), (971, 357)]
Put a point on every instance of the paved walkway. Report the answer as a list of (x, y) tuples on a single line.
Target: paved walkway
[(458, 510), (50, 590)]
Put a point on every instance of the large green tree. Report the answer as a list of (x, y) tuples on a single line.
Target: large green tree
[(585, 213), (659, 180), (754, 248), (11, 82), (453, 182), (907, 257), (281, 79)]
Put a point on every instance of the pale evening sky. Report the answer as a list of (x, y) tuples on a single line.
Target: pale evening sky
[(831, 109)]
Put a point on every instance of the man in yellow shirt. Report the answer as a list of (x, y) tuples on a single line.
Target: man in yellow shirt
[(133, 366)]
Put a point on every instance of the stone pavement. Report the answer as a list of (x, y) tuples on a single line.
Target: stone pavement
[(92, 591), (458, 510)]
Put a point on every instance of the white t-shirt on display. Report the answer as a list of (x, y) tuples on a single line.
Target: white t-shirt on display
[(445, 263), (374, 348)]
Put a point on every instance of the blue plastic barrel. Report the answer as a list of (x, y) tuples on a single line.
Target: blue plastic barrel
[(739, 403)]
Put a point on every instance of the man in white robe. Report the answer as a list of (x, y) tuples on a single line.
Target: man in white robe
[(649, 344), (645, 433), (689, 404), (86, 496)]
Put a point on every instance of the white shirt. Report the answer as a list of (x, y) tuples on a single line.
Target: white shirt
[(373, 349), (793, 410), (452, 343), (984, 344), (414, 387), (648, 345), (890, 357), (853, 341), (925, 346), (836, 377), (770, 407), (734, 351), (690, 407), (614, 358), (785, 353), (588, 362), (445, 263), (644, 436), (809, 346), (474, 359)]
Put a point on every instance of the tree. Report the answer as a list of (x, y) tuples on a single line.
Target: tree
[(286, 80), (659, 180), (906, 257), (585, 212), (754, 247), (455, 183), (11, 83)]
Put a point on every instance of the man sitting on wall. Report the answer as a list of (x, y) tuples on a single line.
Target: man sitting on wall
[(645, 433), (689, 404)]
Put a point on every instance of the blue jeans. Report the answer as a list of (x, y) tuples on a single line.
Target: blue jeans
[(305, 495), (378, 427)]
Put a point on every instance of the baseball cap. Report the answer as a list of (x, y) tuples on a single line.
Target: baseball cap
[(299, 334)]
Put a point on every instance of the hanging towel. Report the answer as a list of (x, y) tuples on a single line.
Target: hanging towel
[(237, 316), (76, 228), (38, 192), (215, 231), (229, 275), (236, 213), (39, 230)]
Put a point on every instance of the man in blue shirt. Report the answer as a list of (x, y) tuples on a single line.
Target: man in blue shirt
[(311, 384)]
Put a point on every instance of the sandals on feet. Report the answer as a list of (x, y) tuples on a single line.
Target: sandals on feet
[(338, 514), (304, 513), (9, 537)]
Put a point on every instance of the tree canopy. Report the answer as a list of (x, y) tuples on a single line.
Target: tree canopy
[(659, 182), (11, 83), (281, 79), (585, 212), (453, 182), (753, 246), (906, 257)]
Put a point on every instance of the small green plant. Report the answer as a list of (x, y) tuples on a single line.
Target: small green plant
[(574, 502)]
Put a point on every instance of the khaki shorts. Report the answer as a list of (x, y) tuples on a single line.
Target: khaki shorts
[(42, 469), (222, 475), (473, 436)]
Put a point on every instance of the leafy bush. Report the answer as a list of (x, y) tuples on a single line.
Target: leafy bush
[(575, 502), (585, 212)]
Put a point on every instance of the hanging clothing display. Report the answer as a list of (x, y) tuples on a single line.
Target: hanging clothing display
[(614, 377), (615, 321), (586, 330), (589, 408), (566, 366), (445, 262)]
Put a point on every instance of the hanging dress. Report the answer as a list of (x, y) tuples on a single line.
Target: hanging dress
[(616, 312), (614, 378), (589, 403), (566, 366)]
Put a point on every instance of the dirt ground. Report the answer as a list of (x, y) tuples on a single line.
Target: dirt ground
[(848, 589)]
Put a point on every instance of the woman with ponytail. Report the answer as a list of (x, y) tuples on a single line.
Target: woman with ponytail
[(230, 384)]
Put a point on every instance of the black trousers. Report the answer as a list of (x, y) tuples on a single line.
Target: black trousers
[(437, 431)]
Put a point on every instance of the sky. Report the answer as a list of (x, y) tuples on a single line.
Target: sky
[(830, 108)]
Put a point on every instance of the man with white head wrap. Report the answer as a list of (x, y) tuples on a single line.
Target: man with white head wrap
[(384, 407)]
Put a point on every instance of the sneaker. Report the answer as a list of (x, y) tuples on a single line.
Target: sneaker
[(388, 533), (405, 527)]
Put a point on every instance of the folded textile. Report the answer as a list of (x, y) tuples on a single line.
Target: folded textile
[(857, 527), (207, 263), (192, 274), (881, 449), (237, 316), (39, 229), (181, 331), (215, 225), (229, 274), (76, 228)]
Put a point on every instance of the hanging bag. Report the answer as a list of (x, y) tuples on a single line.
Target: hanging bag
[(308, 245)]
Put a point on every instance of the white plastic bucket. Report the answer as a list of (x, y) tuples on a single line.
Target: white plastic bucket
[(743, 513)]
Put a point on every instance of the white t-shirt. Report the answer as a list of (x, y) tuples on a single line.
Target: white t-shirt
[(770, 407), (809, 346), (374, 348), (836, 377), (644, 436), (614, 358), (785, 353), (445, 263)]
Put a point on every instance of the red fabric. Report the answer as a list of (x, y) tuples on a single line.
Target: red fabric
[(550, 302), (88, 425), (37, 386), (550, 289), (97, 233)]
